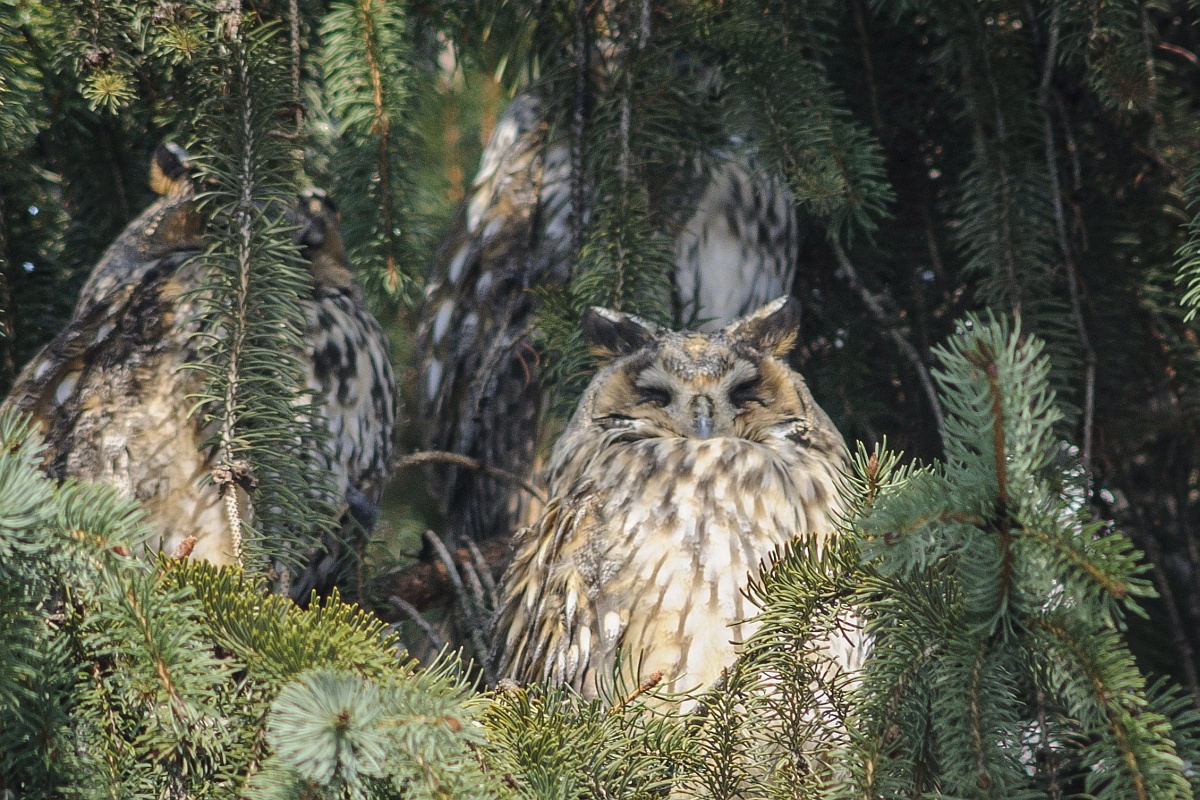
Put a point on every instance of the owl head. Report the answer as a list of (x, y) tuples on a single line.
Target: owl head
[(732, 383), (178, 221)]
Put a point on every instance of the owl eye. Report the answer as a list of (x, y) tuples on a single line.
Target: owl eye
[(654, 394), (744, 394)]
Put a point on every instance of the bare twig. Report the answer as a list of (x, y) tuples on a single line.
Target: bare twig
[(443, 553), (483, 569), (847, 270), (578, 123), (427, 584), (460, 460), (652, 680), (469, 604), (414, 616), (1064, 243)]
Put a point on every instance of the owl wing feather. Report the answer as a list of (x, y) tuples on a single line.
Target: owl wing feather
[(550, 618), (478, 391)]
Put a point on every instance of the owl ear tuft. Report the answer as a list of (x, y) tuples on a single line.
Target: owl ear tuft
[(170, 169), (611, 334), (771, 330)]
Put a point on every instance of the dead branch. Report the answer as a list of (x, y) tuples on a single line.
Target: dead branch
[(460, 460), (428, 584), (847, 271)]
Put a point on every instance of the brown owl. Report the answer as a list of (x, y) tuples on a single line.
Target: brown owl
[(113, 402), (691, 457)]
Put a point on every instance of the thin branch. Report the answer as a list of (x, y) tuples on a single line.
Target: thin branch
[(414, 616), (467, 607), (1007, 202), (1064, 243), (860, 24), (1183, 646), (847, 270), (427, 583), (483, 570), (8, 330), (294, 25), (381, 127), (578, 124), (460, 460), (1046, 746)]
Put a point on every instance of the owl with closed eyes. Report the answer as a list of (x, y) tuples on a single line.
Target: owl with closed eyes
[(690, 459)]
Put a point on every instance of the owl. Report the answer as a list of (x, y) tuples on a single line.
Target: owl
[(690, 458), (736, 241), (115, 405)]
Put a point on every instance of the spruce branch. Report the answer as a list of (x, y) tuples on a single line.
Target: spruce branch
[(460, 460), (1001, 583), (365, 58), (1052, 36), (269, 446)]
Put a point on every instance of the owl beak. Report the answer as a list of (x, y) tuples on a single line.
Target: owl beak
[(702, 408)]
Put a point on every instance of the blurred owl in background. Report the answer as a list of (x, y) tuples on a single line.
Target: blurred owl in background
[(114, 404), (736, 243), (690, 459)]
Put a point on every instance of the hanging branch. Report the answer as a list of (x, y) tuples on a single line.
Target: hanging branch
[(1064, 243), (365, 61), (885, 320), (294, 31), (578, 124), (252, 321)]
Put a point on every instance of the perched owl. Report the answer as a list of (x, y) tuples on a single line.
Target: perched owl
[(691, 457), (113, 402), (736, 243)]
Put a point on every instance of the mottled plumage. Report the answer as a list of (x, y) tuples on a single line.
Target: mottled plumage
[(691, 457), (113, 402), (736, 246)]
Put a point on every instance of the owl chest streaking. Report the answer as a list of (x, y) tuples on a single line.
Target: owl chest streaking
[(691, 458), (116, 405)]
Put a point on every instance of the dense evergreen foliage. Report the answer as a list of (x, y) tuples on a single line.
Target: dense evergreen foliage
[(1014, 181)]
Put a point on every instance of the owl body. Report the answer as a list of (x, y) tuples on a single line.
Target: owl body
[(691, 458), (736, 242), (116, 404)]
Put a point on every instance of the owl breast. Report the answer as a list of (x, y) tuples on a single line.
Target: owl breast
[(689, 521)]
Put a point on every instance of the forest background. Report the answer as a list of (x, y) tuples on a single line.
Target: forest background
[(1034, 159)]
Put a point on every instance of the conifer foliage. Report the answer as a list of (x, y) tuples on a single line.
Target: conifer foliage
[(996, 604), (1019, 167), (123, 677)]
